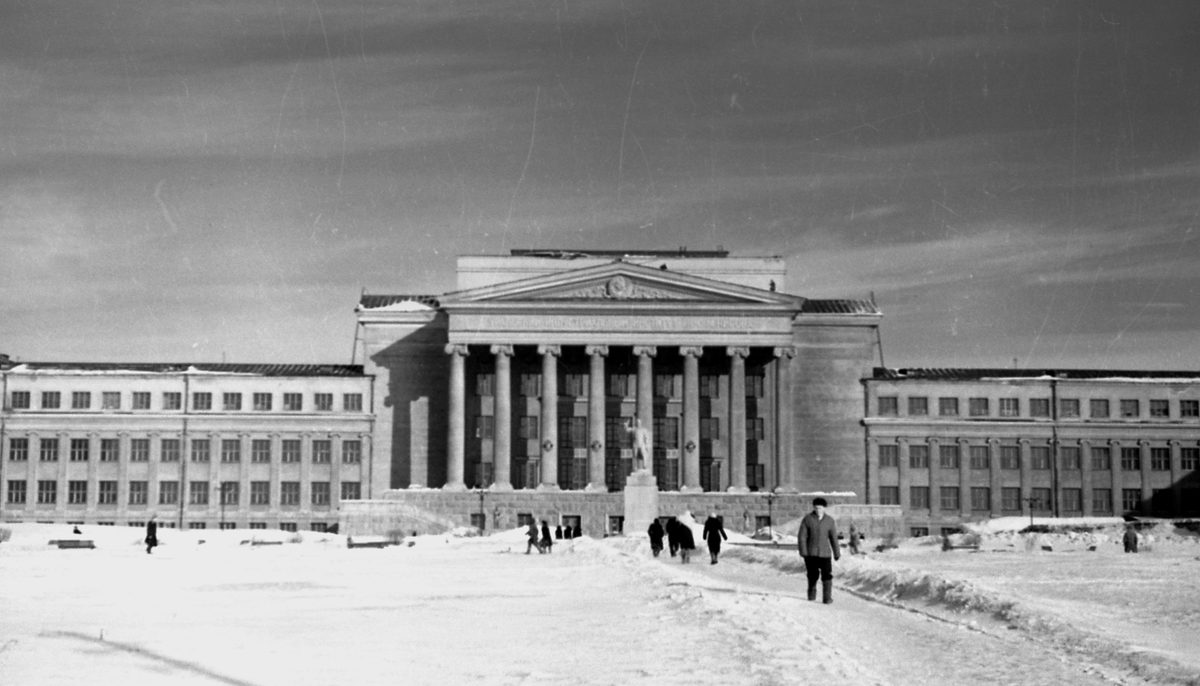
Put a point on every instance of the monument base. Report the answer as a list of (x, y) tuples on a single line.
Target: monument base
[(641, 502)]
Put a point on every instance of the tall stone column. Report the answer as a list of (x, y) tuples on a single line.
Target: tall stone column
[(1144, 464), (1176, 448), (502, 443), (456, 438), (596, 400), (1085, 476), (549, 452), (785, 469), (935, 478), (1026, 478), (645, 399), (964, 478), (690, 479), (903, 472), (1114, 465), (737, 419), (995, 480)]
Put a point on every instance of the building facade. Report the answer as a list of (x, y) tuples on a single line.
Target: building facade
[(956, 445), (198, 446)]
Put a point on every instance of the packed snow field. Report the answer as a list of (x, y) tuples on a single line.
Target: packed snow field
[(259, 608)]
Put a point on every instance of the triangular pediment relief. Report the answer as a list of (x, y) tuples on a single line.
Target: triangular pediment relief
[(619, 282)]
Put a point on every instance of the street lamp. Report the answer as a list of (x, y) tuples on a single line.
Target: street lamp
[(770, 518), (482, 517)]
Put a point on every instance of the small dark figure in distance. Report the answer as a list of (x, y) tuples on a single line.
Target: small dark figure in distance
[(558, 532), (151, 535), (687, 542), (577, 531), (1130, 539), (547, 542), (854, 540), (714, 532), (533, 539), (656, 537), (673, 535), (818, 544)]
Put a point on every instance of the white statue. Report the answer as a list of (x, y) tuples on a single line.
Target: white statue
[(641, 443)]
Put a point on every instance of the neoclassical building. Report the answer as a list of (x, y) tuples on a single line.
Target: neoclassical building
[(535, 372)]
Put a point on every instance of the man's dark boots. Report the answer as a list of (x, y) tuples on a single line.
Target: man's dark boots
[(826, 592), (812, 592)]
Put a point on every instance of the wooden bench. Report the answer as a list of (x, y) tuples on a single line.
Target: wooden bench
[(368, 542), (71, 543)]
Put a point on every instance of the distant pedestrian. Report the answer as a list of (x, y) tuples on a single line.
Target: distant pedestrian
[(818, 542), (687, 542), (656, 537), (533, 539), (151, 535), (1130, 539), (577, 531), (558, 532), (714, 532), (853, 540), (672, 529), (547, 542)]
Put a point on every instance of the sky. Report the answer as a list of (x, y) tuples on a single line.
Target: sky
[(1016, 183)]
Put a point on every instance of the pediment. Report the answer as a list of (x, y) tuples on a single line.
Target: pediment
[(620, 282)]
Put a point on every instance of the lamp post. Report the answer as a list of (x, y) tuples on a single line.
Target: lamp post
[(770, 518), (482, 517)]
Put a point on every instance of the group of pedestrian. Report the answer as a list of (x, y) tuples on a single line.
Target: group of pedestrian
[(568, 532)]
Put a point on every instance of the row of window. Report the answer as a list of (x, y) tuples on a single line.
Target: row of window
[(573, 431), (1098, 408), (1070, 458), (1039, 499), (171, 450), (228, 493), (619, 385), (202, 401), (317, 527)]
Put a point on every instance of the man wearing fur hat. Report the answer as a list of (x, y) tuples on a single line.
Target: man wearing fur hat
[(818, 543)]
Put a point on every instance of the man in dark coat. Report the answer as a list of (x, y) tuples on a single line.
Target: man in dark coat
[(714, 531), (673, 535), (1130, 539), (656, 536), (547, 542), (533, 539), (687, 542), (818, 543), (151, 535)]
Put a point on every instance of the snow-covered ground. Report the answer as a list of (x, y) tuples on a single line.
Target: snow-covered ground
[(208, 607)]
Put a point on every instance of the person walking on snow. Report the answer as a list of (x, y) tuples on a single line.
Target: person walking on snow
[(1130, 539), (547, 542), (151, 534), (687, 542), (656, 536), (714, 531), (818, 543), (533, 539)]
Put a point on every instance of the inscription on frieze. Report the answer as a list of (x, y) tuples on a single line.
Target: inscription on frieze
[(501, 322)]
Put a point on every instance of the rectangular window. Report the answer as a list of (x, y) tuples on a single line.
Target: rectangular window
[(531, 385), (1130, 409), (1040, 499), (81, 400), (320, 493), (889, 455), (1189, 408), (1068, 407), (1039, 407), (231, 402), (1098, 408), (1010, 407), (1189, 458), (351, 451), (287, 526), (484, 426), (230, 493), (260, 450), (110, 400), (172, 400), (200, 450), (260, 493), (665, 386), (231, 450), (80, 449), (1010, 457), (1039, 457), (666, 432), (889, 406), (918, 406), (198, 493), (289, 493), (918, 456), (981, 498), (141, 400), (16, 492), (1101, 501), (1160, 459), (48, 449), (755, 429), (1010, 499), (948, 407), (1071, 458), (918, 531), (139, 492), (918, 497), (978, 407), (201, 401), (710, 428), (51, 400), (889, 495), (948, 457), (352, 402), (18, 450), (293, 402), (710, 386), (322, 451), (619, 385), (323, 402), (258, 525), (485, 385), (572, 432), (262, 402), (949, 497), (110, 449), (1160, 409), (168, 492), (527, 428), (47, 492), (77, 492), (980, 457), (1131, 459), (351, 490), (1131, 499), (1101, 458), (1072, 500), (575, 385), (20, 400), (290, 450), (170, 449), (107, 493)]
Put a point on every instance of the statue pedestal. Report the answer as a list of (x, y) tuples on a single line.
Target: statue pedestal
[(641, 502)]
